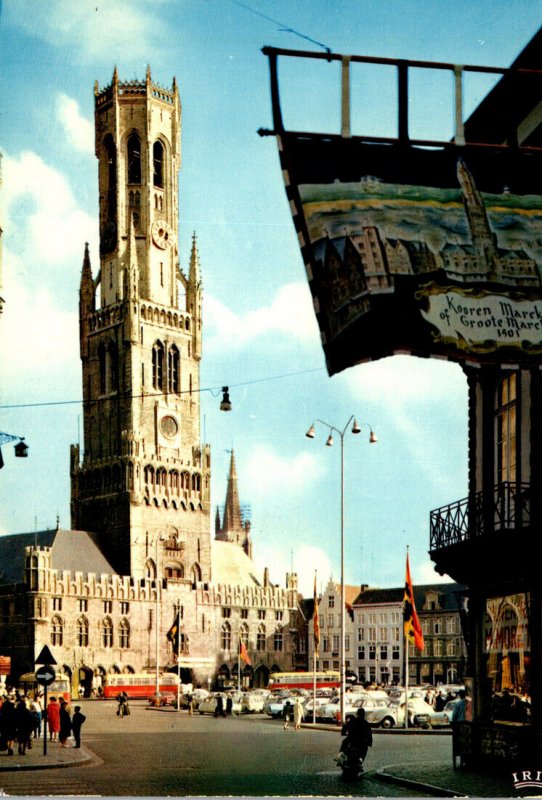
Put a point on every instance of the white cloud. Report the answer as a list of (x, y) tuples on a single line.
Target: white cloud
[(93, 30), (290, 313), (404, 379), (43, 222), (39, 345), (79, 130), (304, 560), (425, 573), (266, 473)]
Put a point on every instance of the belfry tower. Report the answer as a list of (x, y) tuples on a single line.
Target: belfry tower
[(142, 482)]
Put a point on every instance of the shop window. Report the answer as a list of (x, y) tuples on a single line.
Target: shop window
[(506, 429)]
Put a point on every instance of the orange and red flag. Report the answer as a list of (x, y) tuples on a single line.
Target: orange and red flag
[(411, 623)]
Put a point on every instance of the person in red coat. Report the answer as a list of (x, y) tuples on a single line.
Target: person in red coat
[(53, 719)]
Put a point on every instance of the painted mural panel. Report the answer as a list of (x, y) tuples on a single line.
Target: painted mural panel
[(430, 251)]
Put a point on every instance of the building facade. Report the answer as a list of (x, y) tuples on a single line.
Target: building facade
[(140, 554)]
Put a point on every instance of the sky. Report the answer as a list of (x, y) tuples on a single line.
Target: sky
[(260, 334)]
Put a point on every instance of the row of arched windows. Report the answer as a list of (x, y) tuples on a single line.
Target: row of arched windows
[(162, 317), (176, 570), (173, 480), (261, 637), (82, 638)]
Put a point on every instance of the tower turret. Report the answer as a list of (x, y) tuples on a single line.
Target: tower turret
[(86, 302)]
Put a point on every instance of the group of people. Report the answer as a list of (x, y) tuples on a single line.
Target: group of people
[(293, 708), (22, 717), (220, 710)]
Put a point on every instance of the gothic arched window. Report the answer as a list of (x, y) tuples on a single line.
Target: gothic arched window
[(260, 638), (158, 366), (82, 632), (113, 358), (107, 633), (158, 164), (124, 634), (134, 158), (196, 573), (110, 153), (173, 369), (278, 639), (225, 636), (57, 631), (243, 634), (103, 371)]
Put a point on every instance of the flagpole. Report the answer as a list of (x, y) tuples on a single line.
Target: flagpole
[(406, 666), (179, 656), (314, 662), (239, 660), (406, 681)]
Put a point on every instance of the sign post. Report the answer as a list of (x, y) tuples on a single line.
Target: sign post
[(45, 675)]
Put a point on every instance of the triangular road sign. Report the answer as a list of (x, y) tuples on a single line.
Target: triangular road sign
[(45, 657)]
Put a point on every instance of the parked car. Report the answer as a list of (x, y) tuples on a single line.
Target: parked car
[(444, 717), (252, 703), (394, 714), (274, 706), (310, 704), (208, 704), (162, 699)]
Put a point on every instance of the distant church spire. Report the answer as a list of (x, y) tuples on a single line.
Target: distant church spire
[(233, 529), (231, 523)]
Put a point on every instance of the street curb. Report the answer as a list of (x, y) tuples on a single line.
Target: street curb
[(85, 758), (425, 788), (321, 726)]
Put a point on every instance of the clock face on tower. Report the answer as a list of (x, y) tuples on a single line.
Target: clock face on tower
[(169, 426), (162, 234)]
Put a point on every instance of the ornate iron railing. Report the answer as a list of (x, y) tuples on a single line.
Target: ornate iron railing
[(508, 508)]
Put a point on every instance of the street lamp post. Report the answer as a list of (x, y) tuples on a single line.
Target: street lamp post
[(157, 621), (329, 443)]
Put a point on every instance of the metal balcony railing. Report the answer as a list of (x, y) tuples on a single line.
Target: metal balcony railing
[(481, 515)]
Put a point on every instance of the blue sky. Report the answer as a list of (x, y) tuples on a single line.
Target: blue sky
[(260, 335)]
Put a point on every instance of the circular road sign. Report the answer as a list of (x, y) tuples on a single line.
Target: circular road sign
[(45, 675)]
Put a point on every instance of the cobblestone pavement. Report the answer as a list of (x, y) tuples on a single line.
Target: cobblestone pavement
[(441, 779), (160, 754)]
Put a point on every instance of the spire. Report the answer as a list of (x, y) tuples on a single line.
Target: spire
[(217, 522), (148, 75), (194, 275), (86, 287), (86, 302), (231, 523), (115, 77)]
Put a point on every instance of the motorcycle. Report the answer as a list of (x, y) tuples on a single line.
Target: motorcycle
[(350, 762)]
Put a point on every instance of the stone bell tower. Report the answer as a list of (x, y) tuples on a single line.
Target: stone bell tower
[(142, 482)]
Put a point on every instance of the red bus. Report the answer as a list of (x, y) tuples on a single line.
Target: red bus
[(304, 680), (139, 684)]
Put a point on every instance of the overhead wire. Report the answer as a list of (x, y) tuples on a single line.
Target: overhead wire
[(214, 390)]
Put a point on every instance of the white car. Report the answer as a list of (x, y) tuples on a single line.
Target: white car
[(208, 704), (318, 706), (252, 703), (444, 717), (394, 714)]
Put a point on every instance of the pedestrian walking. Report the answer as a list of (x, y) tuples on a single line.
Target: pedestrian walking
[(8, 726), (37, 710), (298, 714), (65, 724), (77, 722), (53, 718), (287, 713), (219, 708), (24, 721)]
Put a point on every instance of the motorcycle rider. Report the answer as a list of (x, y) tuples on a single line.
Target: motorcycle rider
[(358, 737)]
